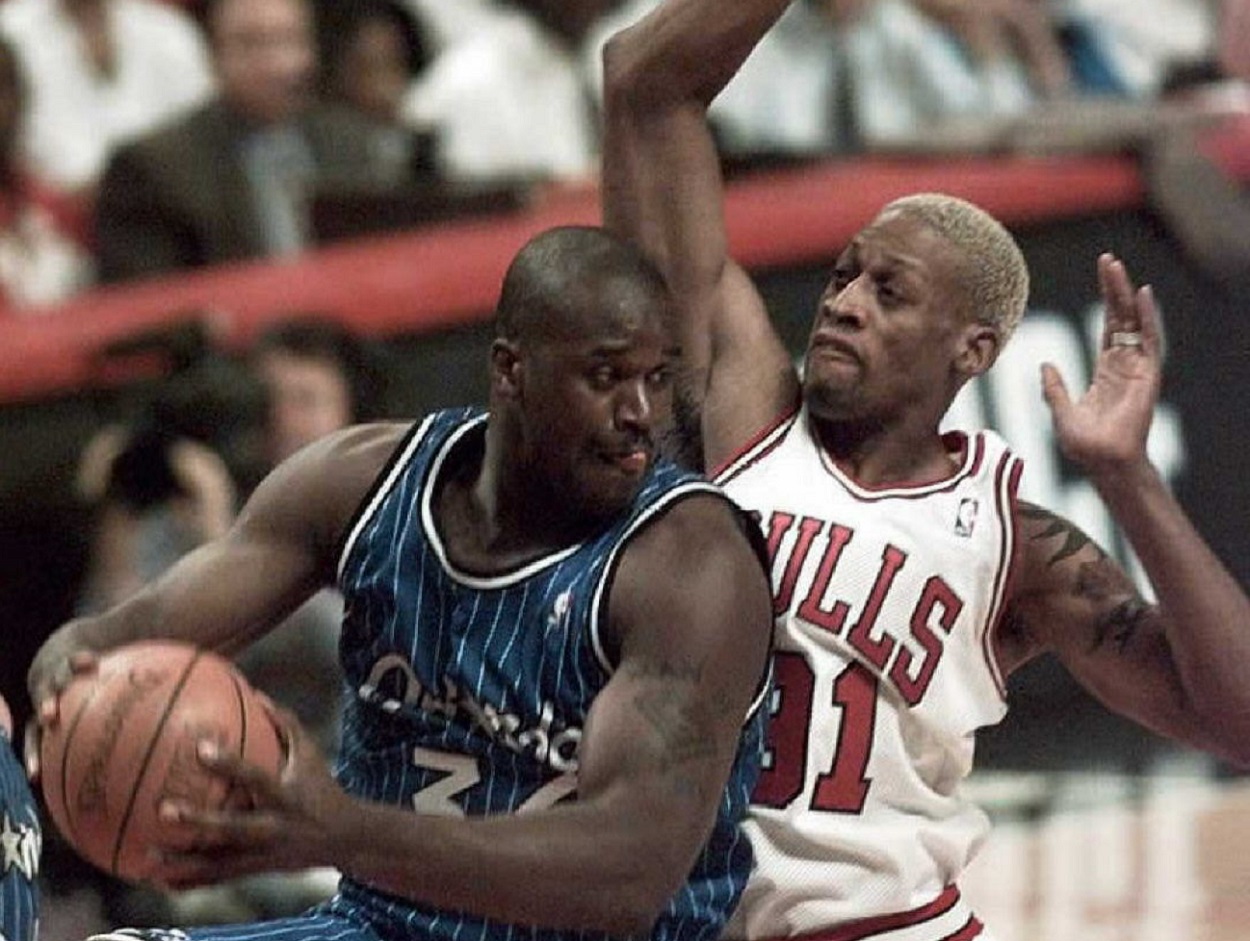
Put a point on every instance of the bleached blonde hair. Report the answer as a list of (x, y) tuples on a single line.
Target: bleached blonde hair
[(994, 275)]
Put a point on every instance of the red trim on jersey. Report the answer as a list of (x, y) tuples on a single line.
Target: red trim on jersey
[(1008, 569), (969, 931), (786, 416), (867, 927), (970, 463)]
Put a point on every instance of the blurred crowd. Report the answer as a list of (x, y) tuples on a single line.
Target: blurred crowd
[(142, 137)]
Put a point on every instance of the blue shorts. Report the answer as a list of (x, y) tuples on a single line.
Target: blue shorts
[(315, 926)]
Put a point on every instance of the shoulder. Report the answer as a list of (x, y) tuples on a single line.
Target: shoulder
[(171, 144), (316, 492), (701, 542)]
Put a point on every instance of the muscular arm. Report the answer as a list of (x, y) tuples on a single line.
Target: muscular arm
[(691, 615), (1177, 667), (663, 189), (232, 589)]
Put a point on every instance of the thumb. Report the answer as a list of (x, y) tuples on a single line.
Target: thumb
[(1054, 391)]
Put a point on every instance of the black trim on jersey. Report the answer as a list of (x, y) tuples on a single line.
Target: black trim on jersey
[(357, 518), (759, 547)]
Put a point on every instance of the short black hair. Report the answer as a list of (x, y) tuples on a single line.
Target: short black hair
[(555, 272)]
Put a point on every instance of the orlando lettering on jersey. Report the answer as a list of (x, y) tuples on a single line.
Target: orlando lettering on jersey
[(550, 742)]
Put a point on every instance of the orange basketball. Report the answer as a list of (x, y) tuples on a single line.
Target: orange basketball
[(126, 741)]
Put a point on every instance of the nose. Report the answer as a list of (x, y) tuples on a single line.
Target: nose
[(634, 408), (844, 308)]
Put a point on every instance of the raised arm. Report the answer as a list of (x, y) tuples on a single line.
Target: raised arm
[(1178, 666), (662, 188), (230, 590), (690, 613)]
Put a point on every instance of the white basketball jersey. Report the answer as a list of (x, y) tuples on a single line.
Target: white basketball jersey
[(884, 600)]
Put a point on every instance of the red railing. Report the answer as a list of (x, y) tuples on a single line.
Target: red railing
[(448, 274)]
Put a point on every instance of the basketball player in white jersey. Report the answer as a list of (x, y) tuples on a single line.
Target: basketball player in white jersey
[(908, 579)]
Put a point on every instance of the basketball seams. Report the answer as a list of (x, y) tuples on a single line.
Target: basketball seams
[(65, 752), (240, 699), (153, 741)]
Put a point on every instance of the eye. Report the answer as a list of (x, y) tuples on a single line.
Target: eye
[(888, 292), (660, 377), (602, 376), (842, 276)]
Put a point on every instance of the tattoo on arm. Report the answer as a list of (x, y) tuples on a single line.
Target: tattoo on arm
[(1102, 581), (1121, 624), (683, 726), (1057, 527)]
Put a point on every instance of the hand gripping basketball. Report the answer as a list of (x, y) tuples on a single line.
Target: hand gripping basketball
[(126, 741)]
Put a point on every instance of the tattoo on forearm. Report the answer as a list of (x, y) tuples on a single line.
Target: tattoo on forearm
[(1121, 624), (1056, 526)]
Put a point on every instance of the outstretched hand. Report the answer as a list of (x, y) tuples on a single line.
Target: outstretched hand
[(1106, 428), (288, 823)]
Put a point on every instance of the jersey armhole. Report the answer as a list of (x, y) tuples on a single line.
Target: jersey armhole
[(1006, 496)]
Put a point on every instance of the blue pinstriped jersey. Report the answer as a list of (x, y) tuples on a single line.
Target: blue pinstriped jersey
[(21, 840), (471, 691)]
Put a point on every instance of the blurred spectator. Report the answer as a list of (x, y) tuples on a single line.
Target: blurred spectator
[(1207, 210), (101, 72), (42, 257), (1136, 41), (453, 21), (840, 76), (516, 99), (234, 179), (942, 74), (371, 52), (319, 378), (163, 480)]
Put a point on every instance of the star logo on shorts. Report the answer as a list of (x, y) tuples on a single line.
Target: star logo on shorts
[(20, 845)]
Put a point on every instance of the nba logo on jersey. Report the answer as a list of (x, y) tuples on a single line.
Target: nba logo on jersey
[(966, 516)]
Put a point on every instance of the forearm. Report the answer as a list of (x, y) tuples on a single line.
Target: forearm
[(690, 49), (1206, 612), (574, 867)]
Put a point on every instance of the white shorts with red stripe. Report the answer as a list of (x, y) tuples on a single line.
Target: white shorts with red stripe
[(946, 918)]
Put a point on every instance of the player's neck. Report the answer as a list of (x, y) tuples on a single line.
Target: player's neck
[(877, 456), (494, 521)]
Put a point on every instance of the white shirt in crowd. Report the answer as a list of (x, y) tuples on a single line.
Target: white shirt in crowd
[(76, 117)]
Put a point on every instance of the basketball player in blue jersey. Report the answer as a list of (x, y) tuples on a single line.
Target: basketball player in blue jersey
[(21, 841), (556, 643), (909, 580)]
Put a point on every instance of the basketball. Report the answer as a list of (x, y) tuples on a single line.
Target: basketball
[(126, 741)]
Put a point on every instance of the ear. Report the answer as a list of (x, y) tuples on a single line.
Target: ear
[(979, 345), (505, 368)]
